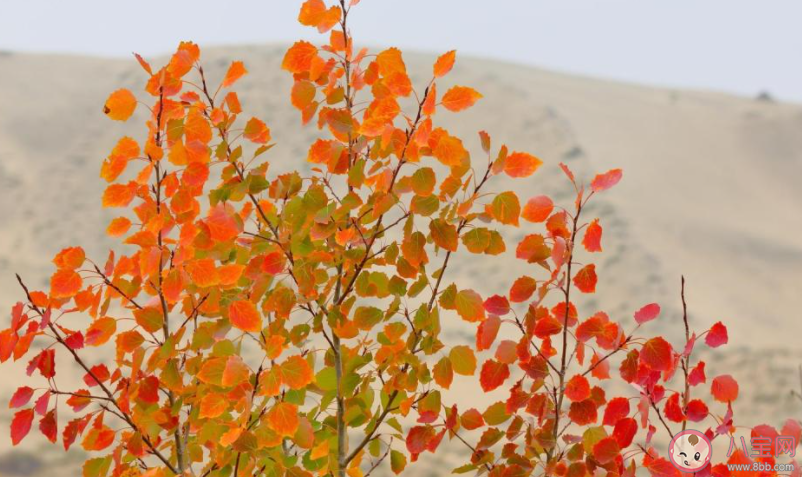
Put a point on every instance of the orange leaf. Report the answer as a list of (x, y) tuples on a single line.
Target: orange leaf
[(100, 331), (65, 283), (592, 238), (235, 372), (257, 131), (283, 419), (444, 234), (235, 71), (585, 279), (296, 373), (604, 181), (522, 289), (493, 375), (118, 195), (298, 58), (213, 405), (244, 315), (118, 227), (460, 97), (120, 105), (98, 438), (487, 332), (521, 164), (506, 208), (203, 272), (444, 63), (314, 13), (70, 258), (537, 209), (469, 306), (212, 371), (724, 388)]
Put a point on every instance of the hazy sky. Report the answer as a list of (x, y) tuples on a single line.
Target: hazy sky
[(741, 46)]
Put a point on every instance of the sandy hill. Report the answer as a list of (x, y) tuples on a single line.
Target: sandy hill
[(710, 190)]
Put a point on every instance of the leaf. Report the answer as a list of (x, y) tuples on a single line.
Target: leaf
[(616, 409), (486, 332), (533, 249), (506, 208), (585, 279), (100, 331), (605, 181), (120, 105), (213, 405), (244, 315), (235, 71), (444, 64), (98, 467), (211, 372), (521, 164), (724, 388), (493, 375), (150, 318), (443, 372), (449, 150), (298, 58), (522, 289), (583, 412), (606, 450), (497, 305), (657, 354), (257, 131), (463, 360), (624, 431), (469, 306), (118, 227), (21, 425), (65, 283), (717, 335), (418, 438), (423, 181), (98, 438), (696, 410), (235, 372), (537, 209), (70, 258), (118, 195), (577, 388), (21, 397), (647, 313), (459, 98), (444, 234), (283, 419), (398, 461), (592, 239), (296, 373), (314, 13)]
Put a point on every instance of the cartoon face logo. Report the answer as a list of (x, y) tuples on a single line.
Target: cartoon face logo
[(690, 451)]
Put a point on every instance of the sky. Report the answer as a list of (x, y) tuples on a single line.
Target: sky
[(737, 46)]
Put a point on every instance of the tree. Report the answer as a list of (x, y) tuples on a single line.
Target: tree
[(290, 325)]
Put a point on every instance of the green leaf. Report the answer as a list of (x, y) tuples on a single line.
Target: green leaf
[(398, 461), (506, 208)]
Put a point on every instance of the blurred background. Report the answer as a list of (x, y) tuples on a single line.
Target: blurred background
[(699, 102)]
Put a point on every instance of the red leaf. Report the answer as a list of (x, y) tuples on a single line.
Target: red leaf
[(486, 332), (697, 374), (418, 438), (672, 409), (616, 409), (497, 305), (647, 313), (624, 431), (472, 419), (21, 397), (21, 425), (583, 412), (585, 279), (592, 239), (149, 390), (537, 209), (604, 181), (724, 388), (577, 388), (657, 354), (696, 410), (606, 450), (717, 335), (493, 375), (49, 426)]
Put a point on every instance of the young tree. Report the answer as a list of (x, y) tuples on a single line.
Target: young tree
[(290, 325)]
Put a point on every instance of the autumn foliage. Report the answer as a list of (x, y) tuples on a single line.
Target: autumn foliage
[(291, 325)]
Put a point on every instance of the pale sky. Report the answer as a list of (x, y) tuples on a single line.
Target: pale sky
[(738, 46)]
